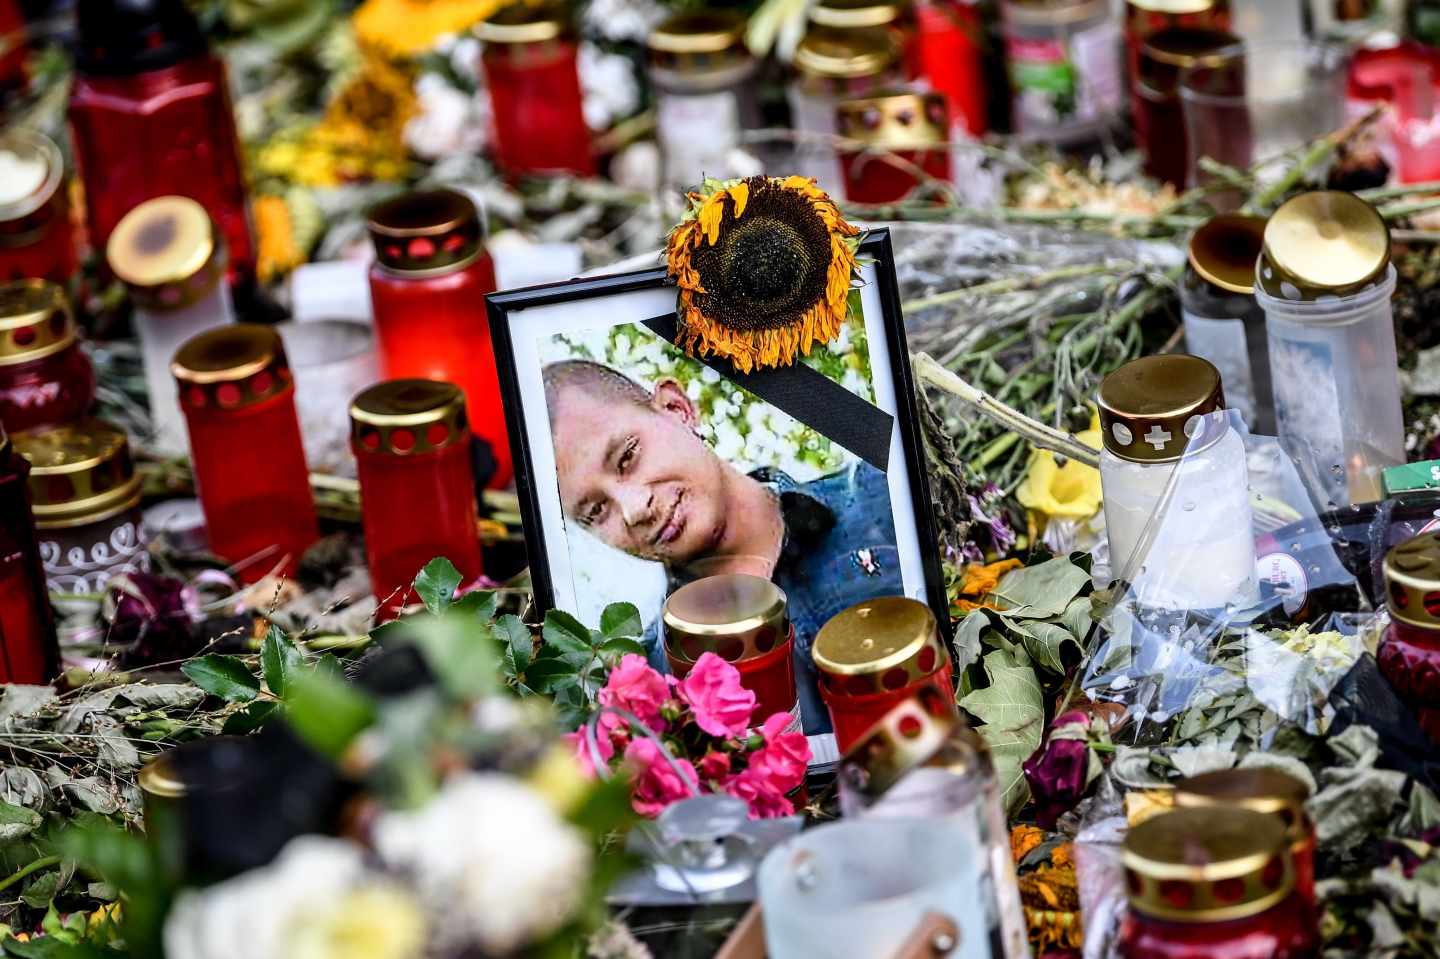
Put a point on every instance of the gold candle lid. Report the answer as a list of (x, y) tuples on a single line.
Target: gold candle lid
[(895, 121), (853, 14), (846, 54), (1053, 12), (1224, 249), (734, 615), (698, 39), (35, 321), (159, 779), (167, 252), (33, 147), (1323, 244), (1209, 864), (1260, 789), (524, 23), (80, 473), (1165, 53), (408, 417), (1153, 407), (426, 232), (231, 367), (879, 645), (1412, 581), (1174, 7)]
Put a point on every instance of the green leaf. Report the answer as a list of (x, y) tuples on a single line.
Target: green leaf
[(1076, 618), (17, 822), (223, 676), (437, 583), (1046, 643), (41, 890), (566, 633), (460, 653), (515, 635), (967, 638), (1012, 709), (327, 712), (249, 719), (621, 620), (621, 645), (548, 672), (1042, 591), (279, 660), (480, 604)]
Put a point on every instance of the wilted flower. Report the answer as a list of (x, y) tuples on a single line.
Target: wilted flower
[(988, 508), (1059, 771), (722, 707), (979, 580), (157, 614), (1063, 491), (657, 782)]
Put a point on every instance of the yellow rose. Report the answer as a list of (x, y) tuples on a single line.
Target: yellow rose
[(372, 922), (1071, 491)]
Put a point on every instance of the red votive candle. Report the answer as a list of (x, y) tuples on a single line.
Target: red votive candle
[(948, 39), (874, 655), (913, 126), (1159, 114), (1409, 653), (45, 379), (530, 60), (1146, 17), (1263, 790), (37, 238), (151, 116), (1214, 883), (417, 487), (12, 46), (29, 652), (428, 286), (743, 620), (239, 402)]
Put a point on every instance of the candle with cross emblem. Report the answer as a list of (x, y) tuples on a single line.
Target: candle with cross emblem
[(1173, 474)]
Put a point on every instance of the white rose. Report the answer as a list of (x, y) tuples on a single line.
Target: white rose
[(449, 121)]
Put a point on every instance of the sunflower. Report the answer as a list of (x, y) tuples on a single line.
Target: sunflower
[(764, 267), (408, 28)]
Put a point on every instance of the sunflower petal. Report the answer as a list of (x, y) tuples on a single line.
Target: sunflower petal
[(740, 193)]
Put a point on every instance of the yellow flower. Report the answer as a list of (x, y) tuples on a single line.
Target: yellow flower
[(559, 779), (980, 581), (1024, 838), (764, 267), (278, 252), (409, 27), (1071, 491), (372, 922)]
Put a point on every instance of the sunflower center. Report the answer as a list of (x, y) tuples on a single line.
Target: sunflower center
[(762, 259)]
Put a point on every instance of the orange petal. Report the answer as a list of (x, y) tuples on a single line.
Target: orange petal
[(740, 193)]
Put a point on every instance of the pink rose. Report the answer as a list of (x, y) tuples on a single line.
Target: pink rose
[(656, 784), (603, 742), (760, 794), (715, 766), (783, 759), (722, 707), (633, 685)]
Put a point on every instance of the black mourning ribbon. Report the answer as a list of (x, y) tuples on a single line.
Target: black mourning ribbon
[(810, 397)]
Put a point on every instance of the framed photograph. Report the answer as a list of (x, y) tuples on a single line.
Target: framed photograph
[(640, 468)]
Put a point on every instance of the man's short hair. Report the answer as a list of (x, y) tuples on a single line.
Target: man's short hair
[(595, 379)]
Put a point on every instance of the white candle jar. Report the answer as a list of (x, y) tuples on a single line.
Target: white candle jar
[(1175, 486), (1324, 280), (173, 261)]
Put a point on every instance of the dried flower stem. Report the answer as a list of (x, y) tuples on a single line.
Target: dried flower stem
[(1014, 284)]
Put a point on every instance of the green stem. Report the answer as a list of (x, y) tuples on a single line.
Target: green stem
[(1406, 189), (1014, 284), (1395, 211), (1317, 154), (43, 863)]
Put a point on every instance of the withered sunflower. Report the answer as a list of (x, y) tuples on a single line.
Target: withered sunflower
[(764, 267)]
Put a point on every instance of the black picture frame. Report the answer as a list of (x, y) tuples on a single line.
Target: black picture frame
[(507, 309)]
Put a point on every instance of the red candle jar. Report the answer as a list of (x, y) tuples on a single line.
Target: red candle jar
[(1146, 17), (428, 286), (239, 403), (874, 655), (45, 379), (29, 652), (948, 53), (744, 620), (417, 487), (914, 127), (12, 46), (150, 113), (531, 70), (1409, 654), (1214, 883), (1262, 790), (1159, 117), (37, 238)]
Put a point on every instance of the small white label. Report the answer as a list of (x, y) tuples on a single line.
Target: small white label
[(1287, 575)]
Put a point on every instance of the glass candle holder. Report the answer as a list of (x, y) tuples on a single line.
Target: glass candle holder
[(151, 115), (874, 655), (1176, 490), (37, 238), (45, 379), (1400, 77), (1213, 883), (1409, 653), (1249, 104), (742, 619), (948, 48), (1357, 22), (921, 761), (1146, 17), (417, 487), (172, 260), (331, 361), (239, 402), (831, 66), (700, 71), (29, 652), (1263, 790), (895, 18), (428, 285), (1065, 73), (530, 61), (1324, 280), (911, 127), (1223, 323), (86, 498), (1159, 115)]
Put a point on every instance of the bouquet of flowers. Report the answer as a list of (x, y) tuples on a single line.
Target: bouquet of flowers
[(705, 722)]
